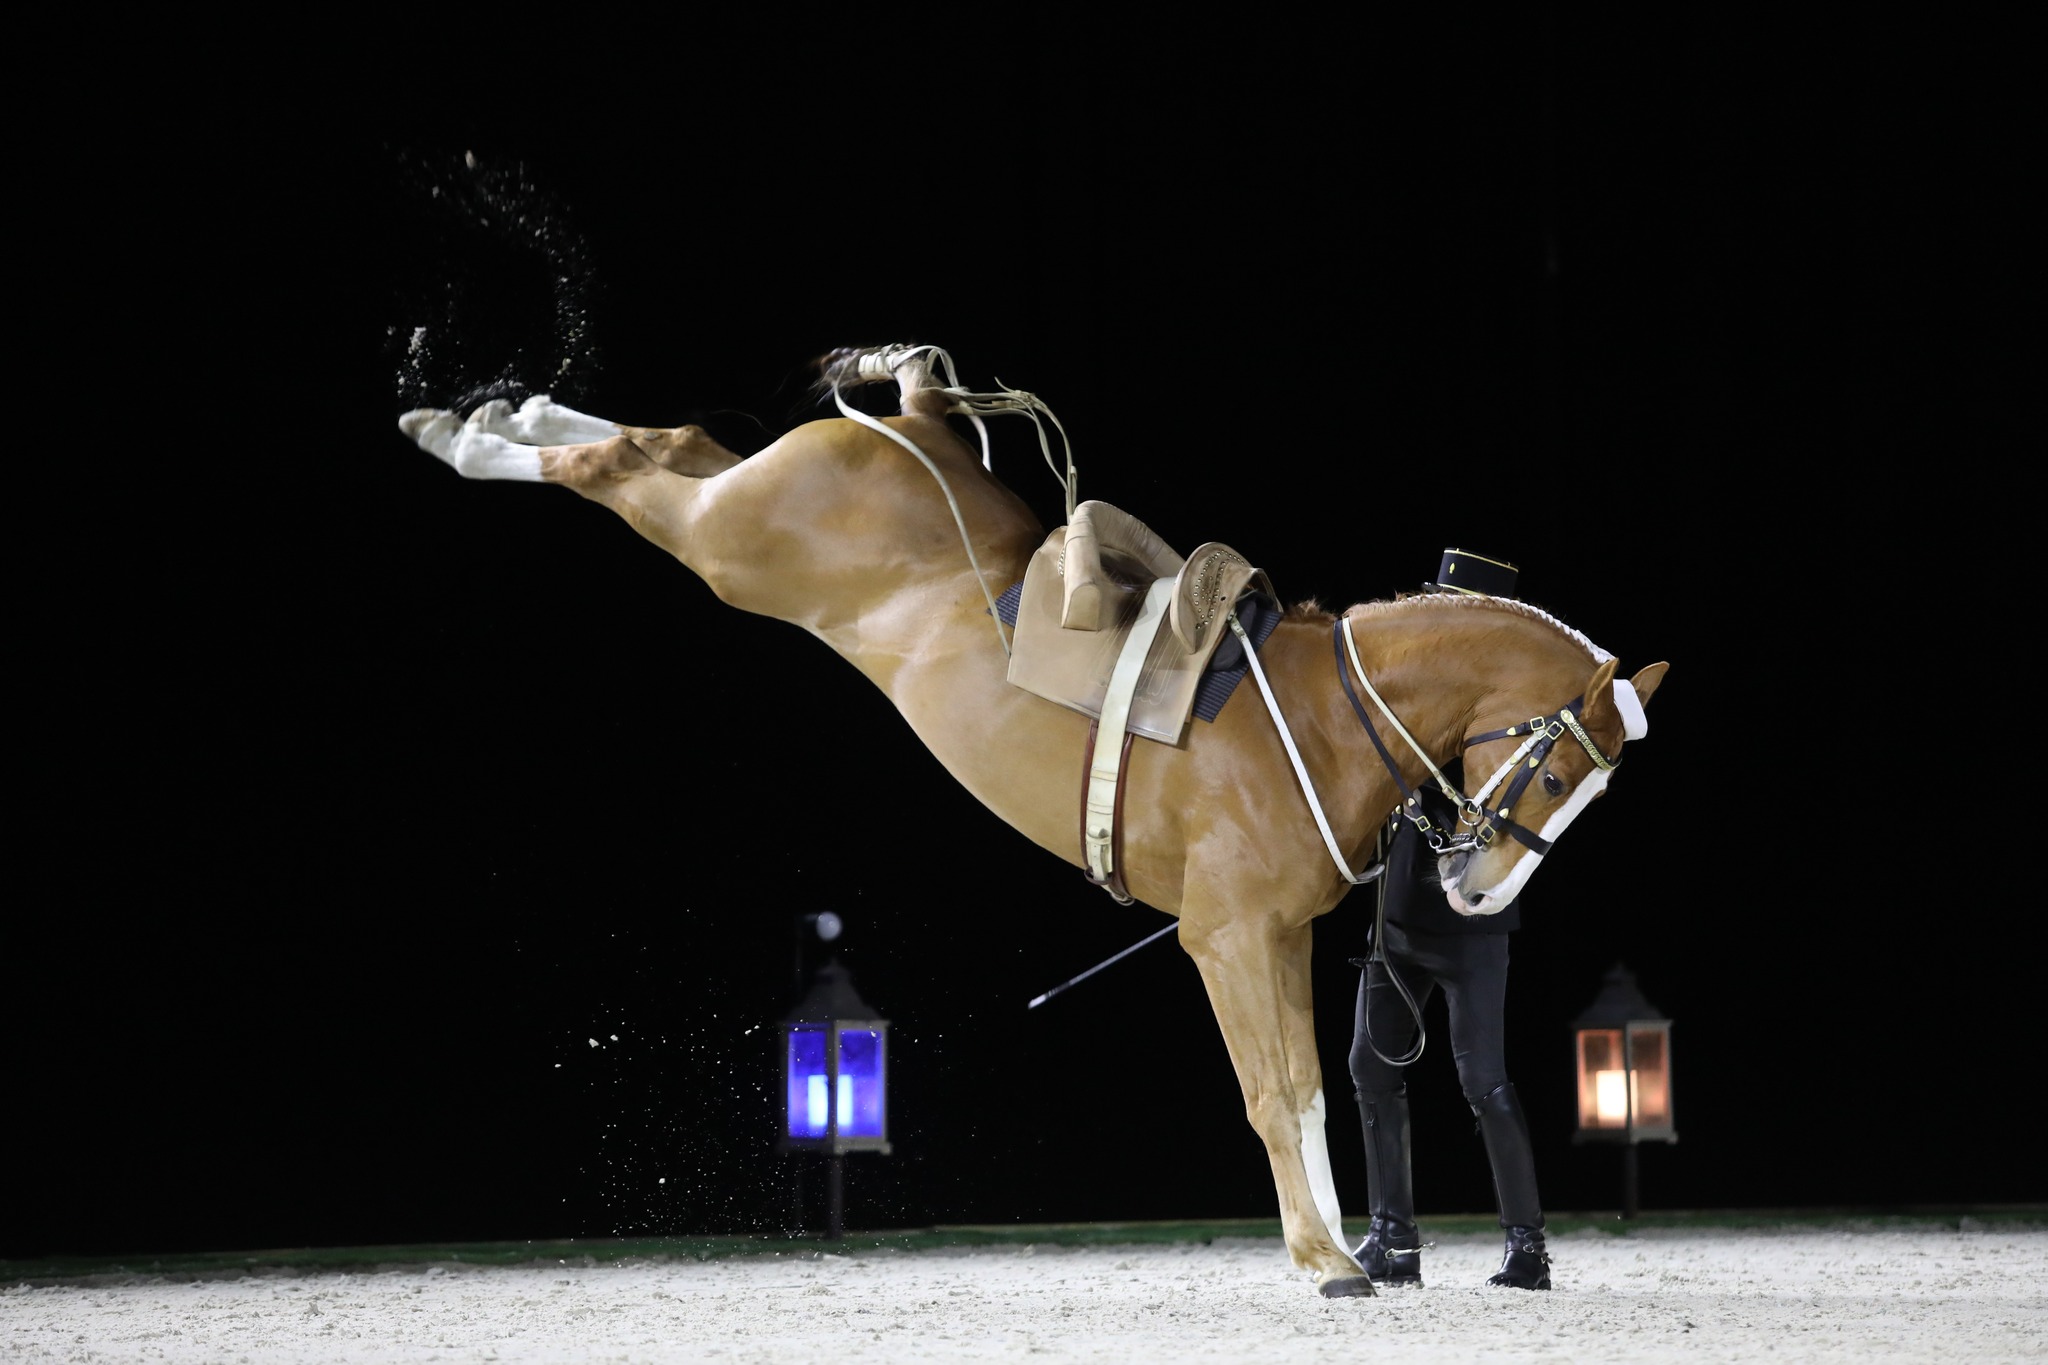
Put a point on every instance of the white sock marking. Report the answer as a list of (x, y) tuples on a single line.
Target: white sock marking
[(473, 452), (1315, 1156), (541, 421)]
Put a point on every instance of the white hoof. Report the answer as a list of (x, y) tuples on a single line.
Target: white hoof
[(433, 430)]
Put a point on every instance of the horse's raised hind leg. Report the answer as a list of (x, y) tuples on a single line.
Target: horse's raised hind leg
[(1256, 973), (769, 534), (653, 477), (499, 441)]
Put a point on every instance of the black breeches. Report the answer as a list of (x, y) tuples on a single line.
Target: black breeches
[(1472, 969)]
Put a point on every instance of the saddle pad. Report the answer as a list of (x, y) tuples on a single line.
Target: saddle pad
[(1072, 667), (1258, 614)]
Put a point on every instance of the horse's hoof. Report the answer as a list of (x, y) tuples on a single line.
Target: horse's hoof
[(1350, 1287), (432, 430), (491, 415)]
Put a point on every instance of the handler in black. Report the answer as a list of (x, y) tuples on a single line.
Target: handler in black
[(1426, 944)]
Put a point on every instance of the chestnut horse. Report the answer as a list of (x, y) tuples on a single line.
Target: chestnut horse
[(883, 537)]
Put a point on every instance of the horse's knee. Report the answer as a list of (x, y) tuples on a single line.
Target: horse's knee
[(1276, 1119)]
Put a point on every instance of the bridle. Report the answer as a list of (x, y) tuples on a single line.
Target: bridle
[(1482, 817)]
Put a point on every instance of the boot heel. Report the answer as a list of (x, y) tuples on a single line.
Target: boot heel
[(1392, 1252)]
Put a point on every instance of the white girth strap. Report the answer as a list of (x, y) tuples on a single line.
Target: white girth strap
[(1308, 788), (1100, 843)]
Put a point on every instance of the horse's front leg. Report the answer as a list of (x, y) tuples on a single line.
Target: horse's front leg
[(1256, 972)]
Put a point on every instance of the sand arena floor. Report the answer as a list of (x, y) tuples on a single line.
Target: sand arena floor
[(1783, 1295)]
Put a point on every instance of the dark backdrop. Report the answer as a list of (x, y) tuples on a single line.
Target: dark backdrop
[(407, 859)]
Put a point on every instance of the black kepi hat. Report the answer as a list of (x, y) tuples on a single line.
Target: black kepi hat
[(1476, 575)]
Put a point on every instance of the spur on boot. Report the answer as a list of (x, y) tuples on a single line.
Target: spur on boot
[(1526, 1264), (1391, 1252)]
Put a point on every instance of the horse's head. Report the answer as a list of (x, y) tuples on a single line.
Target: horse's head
[(1529, 780)]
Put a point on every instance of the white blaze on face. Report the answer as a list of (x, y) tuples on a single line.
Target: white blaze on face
[(1499, 895), (1315, 1157)]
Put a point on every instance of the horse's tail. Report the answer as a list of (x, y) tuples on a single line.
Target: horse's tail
[(918, 369), (909, 366)]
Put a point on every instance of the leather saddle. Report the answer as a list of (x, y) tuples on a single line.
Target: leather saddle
[(1084, 592)]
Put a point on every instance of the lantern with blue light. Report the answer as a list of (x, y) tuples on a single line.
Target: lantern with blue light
[(835, 1063)]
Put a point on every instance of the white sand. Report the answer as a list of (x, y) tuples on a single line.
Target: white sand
[(1782, 1296)]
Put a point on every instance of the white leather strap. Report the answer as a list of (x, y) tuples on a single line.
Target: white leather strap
[(1100, 843), (995, 614), (1456, 797), (1308, 788), (884, 363)]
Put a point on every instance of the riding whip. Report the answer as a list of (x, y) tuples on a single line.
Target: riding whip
[(1104, 963)]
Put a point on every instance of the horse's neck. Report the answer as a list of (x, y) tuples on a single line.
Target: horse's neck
[(1443, 669)]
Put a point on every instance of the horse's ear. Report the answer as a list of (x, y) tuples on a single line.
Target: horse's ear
[(1599, 694), (1646, 679)]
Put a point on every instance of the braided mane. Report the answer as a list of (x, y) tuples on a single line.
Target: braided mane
[(1311, 610)]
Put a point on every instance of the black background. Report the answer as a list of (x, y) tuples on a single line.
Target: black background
[(359, 800)]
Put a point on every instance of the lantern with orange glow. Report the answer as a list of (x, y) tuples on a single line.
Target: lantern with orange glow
[(1623, 1047)]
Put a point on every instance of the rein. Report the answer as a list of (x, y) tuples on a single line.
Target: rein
[(1308, 787), (1384, 848)]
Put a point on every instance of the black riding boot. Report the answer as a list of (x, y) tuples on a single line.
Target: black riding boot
[(1391, 1252), (1526, 1264)]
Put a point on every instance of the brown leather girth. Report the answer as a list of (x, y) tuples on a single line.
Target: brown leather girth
[(1115, 884)]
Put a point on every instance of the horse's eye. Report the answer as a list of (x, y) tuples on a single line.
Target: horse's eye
[(1553, 784)]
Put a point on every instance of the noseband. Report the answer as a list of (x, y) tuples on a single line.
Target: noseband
[(1481, 816)]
